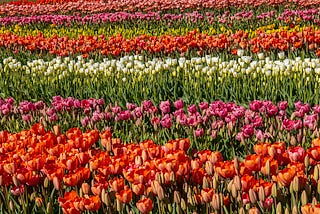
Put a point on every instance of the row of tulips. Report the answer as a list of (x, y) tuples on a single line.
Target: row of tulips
[(291, 41), (91, 171), (216, 125), (134, 78), (195, 17), (132, 31), (89, 7)]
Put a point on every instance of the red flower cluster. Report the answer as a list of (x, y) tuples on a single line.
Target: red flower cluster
[(116, 45)]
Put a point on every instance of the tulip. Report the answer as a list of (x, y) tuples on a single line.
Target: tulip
[(145, 205)]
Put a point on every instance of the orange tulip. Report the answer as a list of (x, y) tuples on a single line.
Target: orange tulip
[(144, 205), (261, 148), (125, 195), (92, 204), (207, 195), (254, 210), (71, 179), (225, 169), (117, 184), (253, 162), (138, 188), (316, 142), (310, 209), (276, 149), (247, 182), (285, 176), (314, 152)]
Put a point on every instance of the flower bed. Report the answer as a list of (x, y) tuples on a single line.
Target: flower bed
[(91, 171), (184, 106)]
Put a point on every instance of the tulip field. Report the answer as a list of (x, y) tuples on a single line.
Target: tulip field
[(160, 106)]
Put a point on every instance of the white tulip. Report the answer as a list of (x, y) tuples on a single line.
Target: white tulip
[(281, 55), (240, 52), (260, 56)]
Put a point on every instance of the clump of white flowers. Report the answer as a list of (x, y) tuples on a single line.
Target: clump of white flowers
[(139, 67)]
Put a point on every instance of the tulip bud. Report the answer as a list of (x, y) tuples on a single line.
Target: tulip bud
[(160, 192), (272, 152), (183, 204), (308, 189), (49, 208), (307, 162), (205, 183), (11, 205), (216, 201), (274, 190), (286, 211), (170, 209), (56, 130), (214, 183), (103, 192), (314, 201), (154, 186), (85, 187), (293, 141), (119, 205), (109, 146), (291, 188), (236, 165), (318, 187), (33, 196), (241, 211), (279, 208), (209, 168), (107, 199), (295, 184), (252, 196), (190, 199), (39, 202), (316, 173), (165, 177), (158, 177), (230, 184), (185, 187), (138, 160), (268, 167), (294, 210), (80, 193), (304, 198), (172, 177), (15, 180), (261, 194), (56, 183), (234, 192), (237, 182), (176, 197), (46, 182)]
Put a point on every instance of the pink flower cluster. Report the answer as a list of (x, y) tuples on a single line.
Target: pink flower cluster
[(87, 7), (203, 119), (308, 14)]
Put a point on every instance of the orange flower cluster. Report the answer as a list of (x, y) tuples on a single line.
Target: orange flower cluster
[(71, 203), (127, 172), (116, 45)]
